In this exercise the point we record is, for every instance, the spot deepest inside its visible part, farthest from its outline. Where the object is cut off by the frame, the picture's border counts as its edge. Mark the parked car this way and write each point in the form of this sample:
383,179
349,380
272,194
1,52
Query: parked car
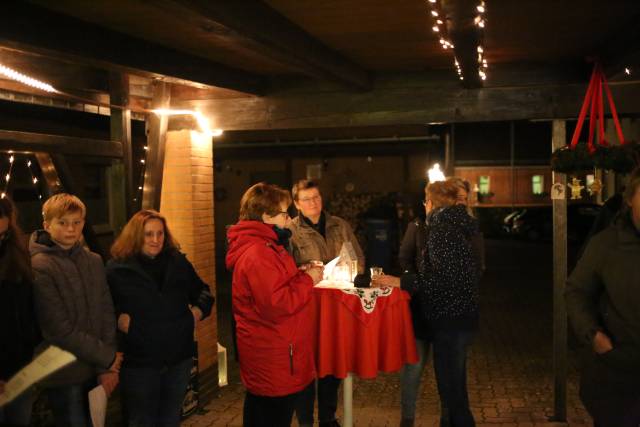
536,223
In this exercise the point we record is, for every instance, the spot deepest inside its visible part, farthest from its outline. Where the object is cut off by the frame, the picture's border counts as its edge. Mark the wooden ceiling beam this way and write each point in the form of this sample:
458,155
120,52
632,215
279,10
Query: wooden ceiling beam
403,99
31,28
68,145
258,27
61,75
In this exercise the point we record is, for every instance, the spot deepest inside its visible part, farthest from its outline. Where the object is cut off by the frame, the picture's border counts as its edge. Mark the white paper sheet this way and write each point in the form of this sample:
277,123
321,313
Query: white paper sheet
45,364
98,406
328,268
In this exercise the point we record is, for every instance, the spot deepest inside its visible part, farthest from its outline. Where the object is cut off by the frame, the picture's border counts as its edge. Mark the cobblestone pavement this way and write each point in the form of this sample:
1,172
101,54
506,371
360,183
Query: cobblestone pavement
510,363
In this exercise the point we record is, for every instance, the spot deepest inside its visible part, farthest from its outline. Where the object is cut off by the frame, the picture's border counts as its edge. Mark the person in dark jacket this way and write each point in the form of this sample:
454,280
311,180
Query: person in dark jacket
271,306
410,258
74,309
603,304
446,286
159,298
18,330
477,239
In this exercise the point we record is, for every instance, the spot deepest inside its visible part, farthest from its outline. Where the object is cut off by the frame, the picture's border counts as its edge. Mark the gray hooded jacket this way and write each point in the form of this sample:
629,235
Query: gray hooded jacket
73,306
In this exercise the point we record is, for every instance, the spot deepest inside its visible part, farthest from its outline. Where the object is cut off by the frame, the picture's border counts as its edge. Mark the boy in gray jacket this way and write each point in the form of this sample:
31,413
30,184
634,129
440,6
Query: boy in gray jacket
74,309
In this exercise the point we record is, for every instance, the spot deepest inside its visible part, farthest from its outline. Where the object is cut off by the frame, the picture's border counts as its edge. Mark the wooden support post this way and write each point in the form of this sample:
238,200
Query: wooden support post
156,142
512,159
558,140
121,131
117,197
449,139
49,173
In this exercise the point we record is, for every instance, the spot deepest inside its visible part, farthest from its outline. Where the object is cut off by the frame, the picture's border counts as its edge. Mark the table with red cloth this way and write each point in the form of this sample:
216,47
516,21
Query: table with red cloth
361,331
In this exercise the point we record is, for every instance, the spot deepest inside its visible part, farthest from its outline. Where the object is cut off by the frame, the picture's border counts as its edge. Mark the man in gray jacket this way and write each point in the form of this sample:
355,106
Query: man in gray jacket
74,309
318,236
603,303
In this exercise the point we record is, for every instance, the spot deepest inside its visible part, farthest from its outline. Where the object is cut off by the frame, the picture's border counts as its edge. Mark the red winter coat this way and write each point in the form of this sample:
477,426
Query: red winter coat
271,308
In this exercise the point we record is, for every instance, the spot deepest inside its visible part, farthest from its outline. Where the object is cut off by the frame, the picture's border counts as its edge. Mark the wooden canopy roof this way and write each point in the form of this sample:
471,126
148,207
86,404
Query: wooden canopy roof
225,49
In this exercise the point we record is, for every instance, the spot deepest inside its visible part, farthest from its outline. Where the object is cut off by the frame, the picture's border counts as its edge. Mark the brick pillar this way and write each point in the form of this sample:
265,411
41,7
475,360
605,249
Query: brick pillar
187,203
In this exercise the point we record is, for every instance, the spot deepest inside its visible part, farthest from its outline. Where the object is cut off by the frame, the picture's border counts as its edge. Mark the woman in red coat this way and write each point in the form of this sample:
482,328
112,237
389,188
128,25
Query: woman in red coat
271,308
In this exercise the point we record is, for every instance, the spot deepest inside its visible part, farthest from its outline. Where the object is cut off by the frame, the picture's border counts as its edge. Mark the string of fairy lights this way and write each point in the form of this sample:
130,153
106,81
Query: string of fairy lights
201,120
143,169
9,175
439,27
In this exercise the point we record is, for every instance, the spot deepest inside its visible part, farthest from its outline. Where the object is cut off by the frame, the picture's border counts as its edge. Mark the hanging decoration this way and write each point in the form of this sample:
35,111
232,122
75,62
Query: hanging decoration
595,187
576,188
597,152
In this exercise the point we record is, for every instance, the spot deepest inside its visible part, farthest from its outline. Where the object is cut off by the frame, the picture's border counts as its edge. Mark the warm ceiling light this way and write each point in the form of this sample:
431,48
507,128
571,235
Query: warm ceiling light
432,1
439,22
203,122
435,29
480,8
627,71
24,79
480,50
434,13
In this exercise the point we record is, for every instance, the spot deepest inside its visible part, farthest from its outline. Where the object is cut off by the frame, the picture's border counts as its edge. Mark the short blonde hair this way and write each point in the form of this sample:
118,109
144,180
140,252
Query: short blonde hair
60,204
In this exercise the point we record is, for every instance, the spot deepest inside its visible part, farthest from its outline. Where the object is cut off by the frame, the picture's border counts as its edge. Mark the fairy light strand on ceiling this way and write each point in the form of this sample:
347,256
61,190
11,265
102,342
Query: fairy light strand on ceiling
24,79
439,27
201,120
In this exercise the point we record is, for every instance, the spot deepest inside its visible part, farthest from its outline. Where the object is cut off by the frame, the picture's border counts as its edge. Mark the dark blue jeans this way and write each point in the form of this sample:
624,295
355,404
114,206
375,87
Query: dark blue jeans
450,363
70,404
153,396
327,401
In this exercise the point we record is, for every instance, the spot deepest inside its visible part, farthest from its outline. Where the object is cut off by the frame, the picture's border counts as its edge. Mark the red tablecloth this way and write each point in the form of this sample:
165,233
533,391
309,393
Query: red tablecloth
362,336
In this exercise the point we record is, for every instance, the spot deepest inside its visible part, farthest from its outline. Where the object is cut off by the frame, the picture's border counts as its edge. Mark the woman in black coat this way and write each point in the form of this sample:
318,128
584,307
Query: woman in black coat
18,331
446,286
159,298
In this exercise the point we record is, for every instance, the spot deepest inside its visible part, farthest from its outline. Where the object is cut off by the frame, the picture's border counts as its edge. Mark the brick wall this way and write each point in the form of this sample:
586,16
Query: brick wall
187,202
